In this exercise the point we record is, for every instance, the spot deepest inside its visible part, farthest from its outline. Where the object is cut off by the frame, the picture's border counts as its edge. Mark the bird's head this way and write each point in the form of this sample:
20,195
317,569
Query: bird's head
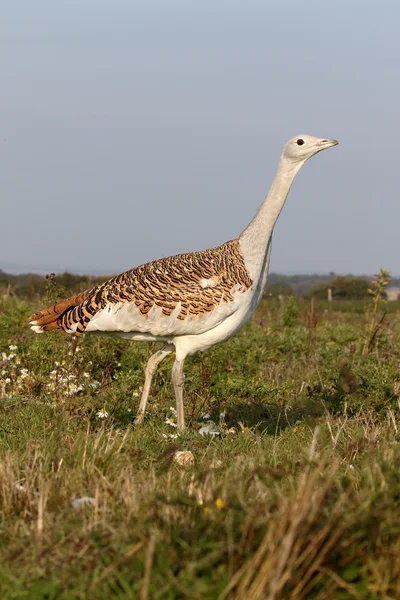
301,147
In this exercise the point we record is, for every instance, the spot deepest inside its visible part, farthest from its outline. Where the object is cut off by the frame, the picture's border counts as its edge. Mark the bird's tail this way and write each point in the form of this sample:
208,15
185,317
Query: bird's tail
52,317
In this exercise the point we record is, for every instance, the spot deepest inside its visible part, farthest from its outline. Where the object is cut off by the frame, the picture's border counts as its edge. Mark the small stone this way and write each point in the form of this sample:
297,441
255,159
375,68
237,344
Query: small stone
209,429
80,503
184,458
19,488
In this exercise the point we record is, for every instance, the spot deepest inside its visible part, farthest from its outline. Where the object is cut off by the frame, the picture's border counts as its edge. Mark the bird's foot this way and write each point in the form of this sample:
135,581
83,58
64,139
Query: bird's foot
139,419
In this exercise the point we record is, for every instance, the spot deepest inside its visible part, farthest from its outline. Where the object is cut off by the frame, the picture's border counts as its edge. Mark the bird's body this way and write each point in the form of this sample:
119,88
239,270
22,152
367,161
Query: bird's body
189,301
165,300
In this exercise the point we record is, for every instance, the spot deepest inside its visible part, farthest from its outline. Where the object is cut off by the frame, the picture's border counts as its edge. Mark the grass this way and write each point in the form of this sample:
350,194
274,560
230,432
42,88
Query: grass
296,497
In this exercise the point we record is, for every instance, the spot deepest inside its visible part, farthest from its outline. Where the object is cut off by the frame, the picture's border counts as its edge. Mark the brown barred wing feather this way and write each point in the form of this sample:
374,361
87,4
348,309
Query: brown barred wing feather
198,282
49,318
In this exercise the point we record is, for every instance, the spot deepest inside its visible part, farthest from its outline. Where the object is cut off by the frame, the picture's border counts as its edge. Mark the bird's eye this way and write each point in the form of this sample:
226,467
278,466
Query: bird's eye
300,142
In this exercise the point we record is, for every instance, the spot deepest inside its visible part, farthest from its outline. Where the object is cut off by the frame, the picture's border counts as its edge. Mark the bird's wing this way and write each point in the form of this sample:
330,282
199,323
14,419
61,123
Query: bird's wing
188,285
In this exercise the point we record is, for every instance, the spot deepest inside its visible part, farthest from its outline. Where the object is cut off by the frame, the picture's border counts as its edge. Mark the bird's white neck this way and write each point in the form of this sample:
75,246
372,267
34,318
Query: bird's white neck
255,240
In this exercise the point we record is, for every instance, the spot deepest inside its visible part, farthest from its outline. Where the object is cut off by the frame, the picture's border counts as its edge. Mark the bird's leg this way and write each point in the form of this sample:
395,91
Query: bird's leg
177,380
151,368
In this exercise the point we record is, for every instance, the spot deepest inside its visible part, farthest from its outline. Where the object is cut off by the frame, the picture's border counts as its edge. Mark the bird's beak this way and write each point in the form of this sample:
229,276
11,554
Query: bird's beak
328,143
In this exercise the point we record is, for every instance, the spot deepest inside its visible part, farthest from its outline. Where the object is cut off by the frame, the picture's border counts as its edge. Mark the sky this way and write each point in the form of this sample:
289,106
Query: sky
135,130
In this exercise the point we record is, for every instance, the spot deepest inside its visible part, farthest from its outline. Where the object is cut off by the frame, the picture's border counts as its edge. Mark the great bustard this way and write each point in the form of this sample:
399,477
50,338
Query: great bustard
189,301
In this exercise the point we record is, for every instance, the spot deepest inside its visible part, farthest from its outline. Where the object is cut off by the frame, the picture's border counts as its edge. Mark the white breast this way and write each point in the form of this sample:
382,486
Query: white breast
126,318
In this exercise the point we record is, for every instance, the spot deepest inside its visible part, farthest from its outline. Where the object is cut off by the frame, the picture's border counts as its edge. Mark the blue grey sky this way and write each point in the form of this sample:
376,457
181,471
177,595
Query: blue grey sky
130,131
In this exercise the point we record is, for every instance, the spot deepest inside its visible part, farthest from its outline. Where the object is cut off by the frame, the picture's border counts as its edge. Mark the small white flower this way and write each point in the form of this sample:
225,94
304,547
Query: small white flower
102,413
135,394
173,410
8,380
13,347
86,375
171,436
170,421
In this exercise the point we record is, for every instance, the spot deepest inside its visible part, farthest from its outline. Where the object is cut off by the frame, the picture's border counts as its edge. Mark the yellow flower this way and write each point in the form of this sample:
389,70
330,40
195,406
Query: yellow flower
219,503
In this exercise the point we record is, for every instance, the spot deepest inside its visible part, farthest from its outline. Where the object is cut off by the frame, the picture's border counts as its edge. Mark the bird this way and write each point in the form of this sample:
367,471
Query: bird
191,301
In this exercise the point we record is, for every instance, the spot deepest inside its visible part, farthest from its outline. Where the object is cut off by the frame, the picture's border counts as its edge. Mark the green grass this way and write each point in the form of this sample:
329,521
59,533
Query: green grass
297,497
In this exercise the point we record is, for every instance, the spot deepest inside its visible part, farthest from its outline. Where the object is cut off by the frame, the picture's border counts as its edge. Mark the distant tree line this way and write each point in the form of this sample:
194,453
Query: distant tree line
31,285
342,287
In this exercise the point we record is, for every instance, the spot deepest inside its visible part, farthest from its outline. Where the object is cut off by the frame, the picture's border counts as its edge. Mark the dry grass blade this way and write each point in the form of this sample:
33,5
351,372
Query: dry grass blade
148,565
43,494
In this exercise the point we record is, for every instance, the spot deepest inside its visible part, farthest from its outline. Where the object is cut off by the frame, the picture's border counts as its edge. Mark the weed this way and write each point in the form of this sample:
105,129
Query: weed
378,293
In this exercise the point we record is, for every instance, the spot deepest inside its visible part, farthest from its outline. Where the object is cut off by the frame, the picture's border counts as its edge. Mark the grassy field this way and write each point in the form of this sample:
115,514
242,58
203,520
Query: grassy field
288,487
